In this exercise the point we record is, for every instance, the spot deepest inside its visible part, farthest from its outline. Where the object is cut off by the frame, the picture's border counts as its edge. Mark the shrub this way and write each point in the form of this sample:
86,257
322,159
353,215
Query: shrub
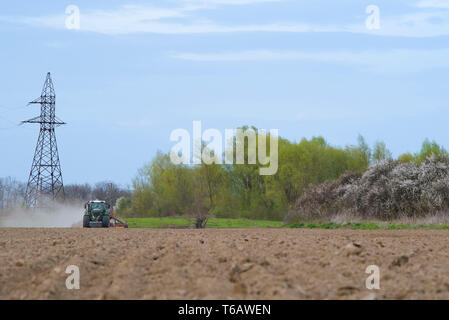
388,189
324,199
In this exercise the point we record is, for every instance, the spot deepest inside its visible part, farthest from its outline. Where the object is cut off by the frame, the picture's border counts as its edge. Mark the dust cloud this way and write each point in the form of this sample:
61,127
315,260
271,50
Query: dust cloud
56,216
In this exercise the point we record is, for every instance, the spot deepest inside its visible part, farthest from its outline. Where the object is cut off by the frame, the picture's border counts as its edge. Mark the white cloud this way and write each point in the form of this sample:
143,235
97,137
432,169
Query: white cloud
228,2
147,19
416,25
125,19
400,60
131,19
440,4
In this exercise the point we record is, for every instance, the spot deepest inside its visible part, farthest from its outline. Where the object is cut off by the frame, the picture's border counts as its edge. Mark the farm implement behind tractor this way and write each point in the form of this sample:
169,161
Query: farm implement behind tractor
100,214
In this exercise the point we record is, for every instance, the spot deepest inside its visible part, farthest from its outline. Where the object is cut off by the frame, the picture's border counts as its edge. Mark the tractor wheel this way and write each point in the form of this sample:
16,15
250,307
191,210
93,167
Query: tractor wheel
106,221
86,220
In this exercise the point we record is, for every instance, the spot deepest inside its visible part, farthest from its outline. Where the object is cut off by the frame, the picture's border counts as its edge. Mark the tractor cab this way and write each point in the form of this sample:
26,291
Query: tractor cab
97,208
96,214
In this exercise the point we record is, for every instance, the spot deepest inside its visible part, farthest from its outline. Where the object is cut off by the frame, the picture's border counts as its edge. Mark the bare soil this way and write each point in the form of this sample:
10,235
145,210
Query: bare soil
223,264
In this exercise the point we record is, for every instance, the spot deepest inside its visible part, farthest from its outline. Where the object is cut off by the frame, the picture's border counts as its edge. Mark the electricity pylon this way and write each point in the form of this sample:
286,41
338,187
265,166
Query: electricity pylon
45,179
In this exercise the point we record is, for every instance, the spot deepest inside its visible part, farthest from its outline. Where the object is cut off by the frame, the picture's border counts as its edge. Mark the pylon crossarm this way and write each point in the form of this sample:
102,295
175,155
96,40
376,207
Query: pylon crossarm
33,120
44,122
36,101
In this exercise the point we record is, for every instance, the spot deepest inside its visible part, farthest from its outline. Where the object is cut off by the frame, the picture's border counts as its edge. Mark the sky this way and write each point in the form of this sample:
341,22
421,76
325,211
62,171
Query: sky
135,71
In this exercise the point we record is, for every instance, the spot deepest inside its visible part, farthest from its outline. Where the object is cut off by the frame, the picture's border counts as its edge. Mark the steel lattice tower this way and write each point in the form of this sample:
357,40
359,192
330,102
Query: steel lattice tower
46,176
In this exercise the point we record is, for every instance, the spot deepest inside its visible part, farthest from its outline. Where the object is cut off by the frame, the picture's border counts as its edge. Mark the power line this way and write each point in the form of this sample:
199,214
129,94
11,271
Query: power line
14,124
11,109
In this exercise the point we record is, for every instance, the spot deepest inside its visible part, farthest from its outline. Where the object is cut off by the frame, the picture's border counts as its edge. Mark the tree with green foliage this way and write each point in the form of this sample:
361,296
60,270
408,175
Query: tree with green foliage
163,189
381,152
238,190
428,149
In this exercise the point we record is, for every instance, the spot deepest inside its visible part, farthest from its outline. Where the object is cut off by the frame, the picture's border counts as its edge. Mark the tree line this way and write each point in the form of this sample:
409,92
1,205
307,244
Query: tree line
12,193
164,189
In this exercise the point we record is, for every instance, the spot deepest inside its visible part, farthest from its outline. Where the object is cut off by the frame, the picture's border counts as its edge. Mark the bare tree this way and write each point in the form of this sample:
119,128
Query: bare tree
109,192
12,193
200,211
78,192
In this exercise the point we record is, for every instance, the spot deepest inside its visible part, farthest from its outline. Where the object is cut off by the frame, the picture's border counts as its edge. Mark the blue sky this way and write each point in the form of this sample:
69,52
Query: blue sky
136,70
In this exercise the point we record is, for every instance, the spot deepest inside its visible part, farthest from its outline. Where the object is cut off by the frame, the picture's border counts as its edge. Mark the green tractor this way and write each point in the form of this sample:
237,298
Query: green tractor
96,214
100,214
